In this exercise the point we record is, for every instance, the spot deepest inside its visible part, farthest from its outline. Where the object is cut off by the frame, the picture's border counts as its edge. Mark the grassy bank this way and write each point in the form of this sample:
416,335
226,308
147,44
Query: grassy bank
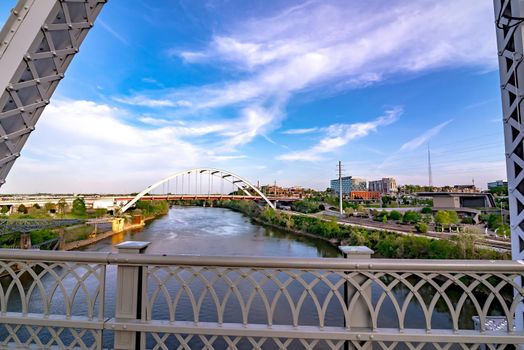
385,244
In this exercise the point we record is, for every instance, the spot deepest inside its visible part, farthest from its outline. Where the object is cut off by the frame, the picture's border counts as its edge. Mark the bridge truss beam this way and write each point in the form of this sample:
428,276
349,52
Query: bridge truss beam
510,40
37,44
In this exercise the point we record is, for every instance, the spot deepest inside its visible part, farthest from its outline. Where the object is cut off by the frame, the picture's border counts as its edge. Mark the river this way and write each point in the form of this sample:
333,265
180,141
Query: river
216,231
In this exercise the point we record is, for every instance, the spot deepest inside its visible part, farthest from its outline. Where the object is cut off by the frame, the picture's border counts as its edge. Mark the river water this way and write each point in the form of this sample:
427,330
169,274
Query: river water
216,231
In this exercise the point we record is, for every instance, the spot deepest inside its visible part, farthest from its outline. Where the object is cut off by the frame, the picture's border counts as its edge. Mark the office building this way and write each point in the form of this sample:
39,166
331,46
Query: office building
349,184
387,185
498,183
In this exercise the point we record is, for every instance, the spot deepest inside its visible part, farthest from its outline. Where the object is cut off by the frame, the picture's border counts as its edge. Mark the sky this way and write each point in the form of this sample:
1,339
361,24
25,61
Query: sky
273,91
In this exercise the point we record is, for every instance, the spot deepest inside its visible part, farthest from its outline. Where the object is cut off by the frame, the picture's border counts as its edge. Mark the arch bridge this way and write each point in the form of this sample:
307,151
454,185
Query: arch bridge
200,183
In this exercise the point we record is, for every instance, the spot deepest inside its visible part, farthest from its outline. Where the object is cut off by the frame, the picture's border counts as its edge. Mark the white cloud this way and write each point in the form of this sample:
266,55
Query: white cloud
333,46
84,146
300,131
423,138
338,135
150,102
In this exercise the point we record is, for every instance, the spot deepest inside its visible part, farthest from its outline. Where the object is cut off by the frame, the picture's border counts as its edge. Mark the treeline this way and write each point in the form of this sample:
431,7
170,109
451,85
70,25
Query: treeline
151,208
385,244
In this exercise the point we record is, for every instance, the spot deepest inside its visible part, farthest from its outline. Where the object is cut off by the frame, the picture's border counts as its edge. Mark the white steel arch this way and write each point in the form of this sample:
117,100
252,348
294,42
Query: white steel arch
225,175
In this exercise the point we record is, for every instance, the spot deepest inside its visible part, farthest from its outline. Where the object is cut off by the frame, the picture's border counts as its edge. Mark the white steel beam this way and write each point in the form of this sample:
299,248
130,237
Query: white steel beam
508,20
37,44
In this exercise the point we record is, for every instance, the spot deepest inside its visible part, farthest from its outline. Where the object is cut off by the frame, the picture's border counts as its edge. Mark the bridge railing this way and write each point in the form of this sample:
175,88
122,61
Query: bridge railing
128,300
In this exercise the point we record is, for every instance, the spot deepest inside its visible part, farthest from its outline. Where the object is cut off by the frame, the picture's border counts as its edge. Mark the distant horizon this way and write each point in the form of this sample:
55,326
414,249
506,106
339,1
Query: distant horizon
273,91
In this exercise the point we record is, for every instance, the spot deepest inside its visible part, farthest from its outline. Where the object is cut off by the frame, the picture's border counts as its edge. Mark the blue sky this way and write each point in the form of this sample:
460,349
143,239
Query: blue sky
273,91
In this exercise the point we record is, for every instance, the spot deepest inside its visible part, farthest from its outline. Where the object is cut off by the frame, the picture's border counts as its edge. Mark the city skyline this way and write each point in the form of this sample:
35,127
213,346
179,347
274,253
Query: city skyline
273,92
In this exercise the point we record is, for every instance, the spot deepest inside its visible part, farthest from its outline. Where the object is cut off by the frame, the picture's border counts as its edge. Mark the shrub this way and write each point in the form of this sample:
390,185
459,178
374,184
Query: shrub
467,220
421,227
395,215
411,217
426,210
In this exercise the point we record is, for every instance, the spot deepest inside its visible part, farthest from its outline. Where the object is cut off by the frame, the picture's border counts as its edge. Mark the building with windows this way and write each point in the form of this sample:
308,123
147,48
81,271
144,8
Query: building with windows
349,184
498,183
364,195
387,185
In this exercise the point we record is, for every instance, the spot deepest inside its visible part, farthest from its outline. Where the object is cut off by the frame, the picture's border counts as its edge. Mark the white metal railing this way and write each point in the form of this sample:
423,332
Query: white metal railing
128,300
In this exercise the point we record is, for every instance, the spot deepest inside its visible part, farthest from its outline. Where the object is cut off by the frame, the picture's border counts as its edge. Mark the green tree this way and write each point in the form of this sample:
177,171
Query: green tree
442,219
395,215
5,209
385,219
453,217
421,227
22,209
79,207
411,217
426,210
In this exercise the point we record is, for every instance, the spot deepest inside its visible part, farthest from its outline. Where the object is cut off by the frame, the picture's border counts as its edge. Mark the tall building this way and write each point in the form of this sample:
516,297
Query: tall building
349,184
387,185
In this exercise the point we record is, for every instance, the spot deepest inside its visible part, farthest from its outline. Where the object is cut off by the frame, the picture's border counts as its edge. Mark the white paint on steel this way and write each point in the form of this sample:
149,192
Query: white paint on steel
510,40
37,44
223,174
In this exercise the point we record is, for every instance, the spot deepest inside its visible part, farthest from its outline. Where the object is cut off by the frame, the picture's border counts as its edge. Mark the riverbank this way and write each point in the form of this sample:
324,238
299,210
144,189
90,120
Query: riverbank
99,237
385,243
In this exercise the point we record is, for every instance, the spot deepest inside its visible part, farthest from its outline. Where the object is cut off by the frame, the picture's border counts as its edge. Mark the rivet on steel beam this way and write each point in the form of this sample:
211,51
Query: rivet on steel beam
28,57
32,128
10,87
61,75
37,81
359,336
76,49
15,12
499,53
45,27
70,26
21,109
5,138
16,155
53,53
46,102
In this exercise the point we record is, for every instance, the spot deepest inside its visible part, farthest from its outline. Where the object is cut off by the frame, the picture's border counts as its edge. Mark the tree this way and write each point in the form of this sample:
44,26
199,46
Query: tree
453,217
421,227
62,206
395,215
79,207
442,219
5,209
22,209
411,217
36,206
426,210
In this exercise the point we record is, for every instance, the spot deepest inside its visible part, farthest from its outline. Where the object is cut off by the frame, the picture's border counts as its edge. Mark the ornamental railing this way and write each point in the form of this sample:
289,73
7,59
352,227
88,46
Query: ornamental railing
129,300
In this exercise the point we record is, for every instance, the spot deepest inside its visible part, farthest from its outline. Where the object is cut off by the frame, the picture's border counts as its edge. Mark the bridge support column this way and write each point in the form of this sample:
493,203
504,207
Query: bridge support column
25,241
360,316
130,286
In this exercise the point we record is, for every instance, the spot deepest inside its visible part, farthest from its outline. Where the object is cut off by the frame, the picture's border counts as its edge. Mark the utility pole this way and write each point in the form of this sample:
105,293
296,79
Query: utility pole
340,187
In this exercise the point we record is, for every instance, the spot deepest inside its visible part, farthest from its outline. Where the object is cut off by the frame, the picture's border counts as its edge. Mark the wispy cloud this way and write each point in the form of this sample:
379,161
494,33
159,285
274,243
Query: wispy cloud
300,131
424,138
338,135
352,45
150,102
113,32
